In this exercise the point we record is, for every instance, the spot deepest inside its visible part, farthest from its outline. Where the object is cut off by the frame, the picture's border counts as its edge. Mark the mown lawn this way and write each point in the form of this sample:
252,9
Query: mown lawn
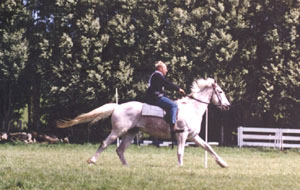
64,166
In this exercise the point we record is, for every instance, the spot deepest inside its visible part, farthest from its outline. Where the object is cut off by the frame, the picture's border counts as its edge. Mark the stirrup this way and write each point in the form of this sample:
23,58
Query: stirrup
173,130
178,131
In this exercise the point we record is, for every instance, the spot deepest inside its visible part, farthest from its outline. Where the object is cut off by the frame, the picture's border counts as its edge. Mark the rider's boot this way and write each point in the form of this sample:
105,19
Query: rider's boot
173,130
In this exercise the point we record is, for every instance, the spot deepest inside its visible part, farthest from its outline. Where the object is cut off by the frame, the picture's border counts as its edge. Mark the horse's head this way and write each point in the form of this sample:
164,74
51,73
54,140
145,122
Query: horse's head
218,97
207,90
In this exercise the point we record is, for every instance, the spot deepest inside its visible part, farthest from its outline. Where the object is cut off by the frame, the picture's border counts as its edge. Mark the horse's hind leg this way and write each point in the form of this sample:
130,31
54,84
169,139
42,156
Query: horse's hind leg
110,139
208,148
126,141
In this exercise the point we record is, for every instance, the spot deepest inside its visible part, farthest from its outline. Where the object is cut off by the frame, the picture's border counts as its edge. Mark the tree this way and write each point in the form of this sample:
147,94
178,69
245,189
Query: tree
75,53
13,58
280,63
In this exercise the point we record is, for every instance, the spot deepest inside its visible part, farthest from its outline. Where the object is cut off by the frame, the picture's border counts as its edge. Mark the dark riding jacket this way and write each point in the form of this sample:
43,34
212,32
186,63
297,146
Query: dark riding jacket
157,84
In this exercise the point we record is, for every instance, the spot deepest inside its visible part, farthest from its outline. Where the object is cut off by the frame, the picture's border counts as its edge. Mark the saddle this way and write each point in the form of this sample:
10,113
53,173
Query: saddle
151,110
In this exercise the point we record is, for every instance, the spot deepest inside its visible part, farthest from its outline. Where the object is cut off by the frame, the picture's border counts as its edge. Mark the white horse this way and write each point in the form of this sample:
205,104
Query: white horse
127,120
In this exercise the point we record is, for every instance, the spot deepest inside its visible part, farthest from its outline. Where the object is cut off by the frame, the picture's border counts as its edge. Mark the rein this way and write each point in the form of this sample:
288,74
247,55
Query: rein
192,97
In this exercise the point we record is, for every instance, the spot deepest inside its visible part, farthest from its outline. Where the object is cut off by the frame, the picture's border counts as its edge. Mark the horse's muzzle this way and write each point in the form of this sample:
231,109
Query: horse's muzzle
225,107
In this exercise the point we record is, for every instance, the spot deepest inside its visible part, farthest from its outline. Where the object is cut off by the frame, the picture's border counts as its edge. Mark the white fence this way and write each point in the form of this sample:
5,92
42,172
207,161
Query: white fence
269,137
167,143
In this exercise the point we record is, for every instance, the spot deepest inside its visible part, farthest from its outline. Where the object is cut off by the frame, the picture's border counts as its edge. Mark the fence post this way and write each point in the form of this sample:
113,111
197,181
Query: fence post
240,136
117,101
280,139
222,135
206,137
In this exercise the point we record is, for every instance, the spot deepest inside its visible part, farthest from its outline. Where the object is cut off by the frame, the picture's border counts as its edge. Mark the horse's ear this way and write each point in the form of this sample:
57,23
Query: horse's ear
215,82
210,82
216,79
214,85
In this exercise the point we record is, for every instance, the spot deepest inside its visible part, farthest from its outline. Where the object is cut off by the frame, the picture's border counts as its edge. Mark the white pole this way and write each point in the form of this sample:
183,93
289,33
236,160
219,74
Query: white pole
117,101
206,137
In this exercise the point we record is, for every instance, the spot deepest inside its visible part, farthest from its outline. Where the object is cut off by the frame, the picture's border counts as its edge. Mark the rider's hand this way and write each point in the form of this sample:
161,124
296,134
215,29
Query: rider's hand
181,91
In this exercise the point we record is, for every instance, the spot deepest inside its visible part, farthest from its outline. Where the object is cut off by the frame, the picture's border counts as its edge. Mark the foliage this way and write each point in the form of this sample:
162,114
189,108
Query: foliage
274,23
13,58
75,53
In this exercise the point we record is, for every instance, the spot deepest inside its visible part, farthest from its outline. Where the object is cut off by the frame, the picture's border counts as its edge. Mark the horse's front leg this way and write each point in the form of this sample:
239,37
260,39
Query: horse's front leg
208,148
181,139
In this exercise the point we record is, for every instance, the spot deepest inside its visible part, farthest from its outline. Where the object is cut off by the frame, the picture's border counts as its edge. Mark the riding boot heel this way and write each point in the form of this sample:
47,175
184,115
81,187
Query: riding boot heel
175,129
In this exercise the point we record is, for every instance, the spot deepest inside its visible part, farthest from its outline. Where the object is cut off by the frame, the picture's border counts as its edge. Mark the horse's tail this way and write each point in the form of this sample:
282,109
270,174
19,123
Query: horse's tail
92,116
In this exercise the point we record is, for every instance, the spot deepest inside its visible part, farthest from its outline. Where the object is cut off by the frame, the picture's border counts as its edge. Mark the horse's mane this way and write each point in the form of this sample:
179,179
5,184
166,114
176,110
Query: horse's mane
200,84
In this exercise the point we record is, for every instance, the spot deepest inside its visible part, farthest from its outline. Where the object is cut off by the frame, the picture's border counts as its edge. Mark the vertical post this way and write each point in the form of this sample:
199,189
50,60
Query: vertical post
88,134
206,137
280,139
222,135
240,136
117,101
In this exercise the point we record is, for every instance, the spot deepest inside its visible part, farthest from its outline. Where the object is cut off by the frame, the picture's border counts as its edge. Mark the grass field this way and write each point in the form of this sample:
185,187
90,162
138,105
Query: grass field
64,167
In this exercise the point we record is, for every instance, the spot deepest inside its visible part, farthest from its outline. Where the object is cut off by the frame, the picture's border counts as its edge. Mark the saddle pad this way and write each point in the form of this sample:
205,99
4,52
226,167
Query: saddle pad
150,110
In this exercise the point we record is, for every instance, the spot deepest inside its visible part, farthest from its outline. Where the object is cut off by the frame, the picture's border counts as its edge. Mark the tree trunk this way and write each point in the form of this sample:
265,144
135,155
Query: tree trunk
36,110
7,104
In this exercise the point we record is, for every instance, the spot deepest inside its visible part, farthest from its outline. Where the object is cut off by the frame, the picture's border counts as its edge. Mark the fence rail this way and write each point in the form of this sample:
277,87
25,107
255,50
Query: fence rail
269,137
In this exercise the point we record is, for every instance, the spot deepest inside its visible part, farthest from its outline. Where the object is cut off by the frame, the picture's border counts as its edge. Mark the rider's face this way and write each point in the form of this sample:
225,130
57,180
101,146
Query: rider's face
164,70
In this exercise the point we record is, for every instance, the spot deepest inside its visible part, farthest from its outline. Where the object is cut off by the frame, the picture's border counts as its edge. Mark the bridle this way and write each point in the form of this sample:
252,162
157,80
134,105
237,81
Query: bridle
214,92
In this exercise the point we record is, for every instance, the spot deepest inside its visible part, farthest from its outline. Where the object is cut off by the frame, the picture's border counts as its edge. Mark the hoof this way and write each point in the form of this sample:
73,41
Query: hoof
91,161
222,163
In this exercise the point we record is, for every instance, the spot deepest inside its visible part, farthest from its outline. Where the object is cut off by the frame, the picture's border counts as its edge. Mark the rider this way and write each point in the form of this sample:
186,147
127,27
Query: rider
155,92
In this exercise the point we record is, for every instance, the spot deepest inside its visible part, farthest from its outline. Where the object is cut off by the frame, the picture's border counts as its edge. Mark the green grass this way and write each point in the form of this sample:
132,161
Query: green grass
64,167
